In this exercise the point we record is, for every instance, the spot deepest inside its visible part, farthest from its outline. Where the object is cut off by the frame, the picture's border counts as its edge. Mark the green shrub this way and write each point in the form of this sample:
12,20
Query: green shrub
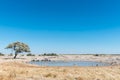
29,54
1,54
22,55
49,54
96,54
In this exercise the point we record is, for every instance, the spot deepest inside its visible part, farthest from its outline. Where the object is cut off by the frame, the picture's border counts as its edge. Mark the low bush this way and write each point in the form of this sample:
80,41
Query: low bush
22,55
49,54
1,54
39,55
29,54
50,75
96,54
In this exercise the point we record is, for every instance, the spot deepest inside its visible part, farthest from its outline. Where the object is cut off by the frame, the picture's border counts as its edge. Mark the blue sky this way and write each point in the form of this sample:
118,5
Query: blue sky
61,26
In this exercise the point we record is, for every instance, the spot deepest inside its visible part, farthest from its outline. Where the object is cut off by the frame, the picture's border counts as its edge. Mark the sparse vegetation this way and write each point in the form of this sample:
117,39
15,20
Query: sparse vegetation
22,55
100,54
51,75
29,54
1,54
96,54
49,54
39,55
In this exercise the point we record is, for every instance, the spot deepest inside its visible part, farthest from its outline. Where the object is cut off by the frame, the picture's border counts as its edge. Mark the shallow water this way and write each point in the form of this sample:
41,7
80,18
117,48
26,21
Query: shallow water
69,63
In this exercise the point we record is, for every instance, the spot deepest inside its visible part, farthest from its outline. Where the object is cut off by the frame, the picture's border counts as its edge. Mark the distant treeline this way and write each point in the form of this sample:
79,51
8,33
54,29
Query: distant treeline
94,54
55,54
45,54
30,54
49,54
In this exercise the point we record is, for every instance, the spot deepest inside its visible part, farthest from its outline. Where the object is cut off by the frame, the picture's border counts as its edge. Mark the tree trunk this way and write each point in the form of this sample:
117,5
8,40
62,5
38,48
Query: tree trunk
15,55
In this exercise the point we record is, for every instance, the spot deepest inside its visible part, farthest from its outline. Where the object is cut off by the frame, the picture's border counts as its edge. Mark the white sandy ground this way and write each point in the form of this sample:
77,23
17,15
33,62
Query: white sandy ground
112,59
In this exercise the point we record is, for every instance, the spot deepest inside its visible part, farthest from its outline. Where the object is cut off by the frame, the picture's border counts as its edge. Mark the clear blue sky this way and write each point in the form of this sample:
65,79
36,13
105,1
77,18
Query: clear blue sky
61,26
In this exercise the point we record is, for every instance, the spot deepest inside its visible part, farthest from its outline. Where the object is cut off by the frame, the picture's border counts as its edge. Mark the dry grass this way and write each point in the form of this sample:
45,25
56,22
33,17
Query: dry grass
20,71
